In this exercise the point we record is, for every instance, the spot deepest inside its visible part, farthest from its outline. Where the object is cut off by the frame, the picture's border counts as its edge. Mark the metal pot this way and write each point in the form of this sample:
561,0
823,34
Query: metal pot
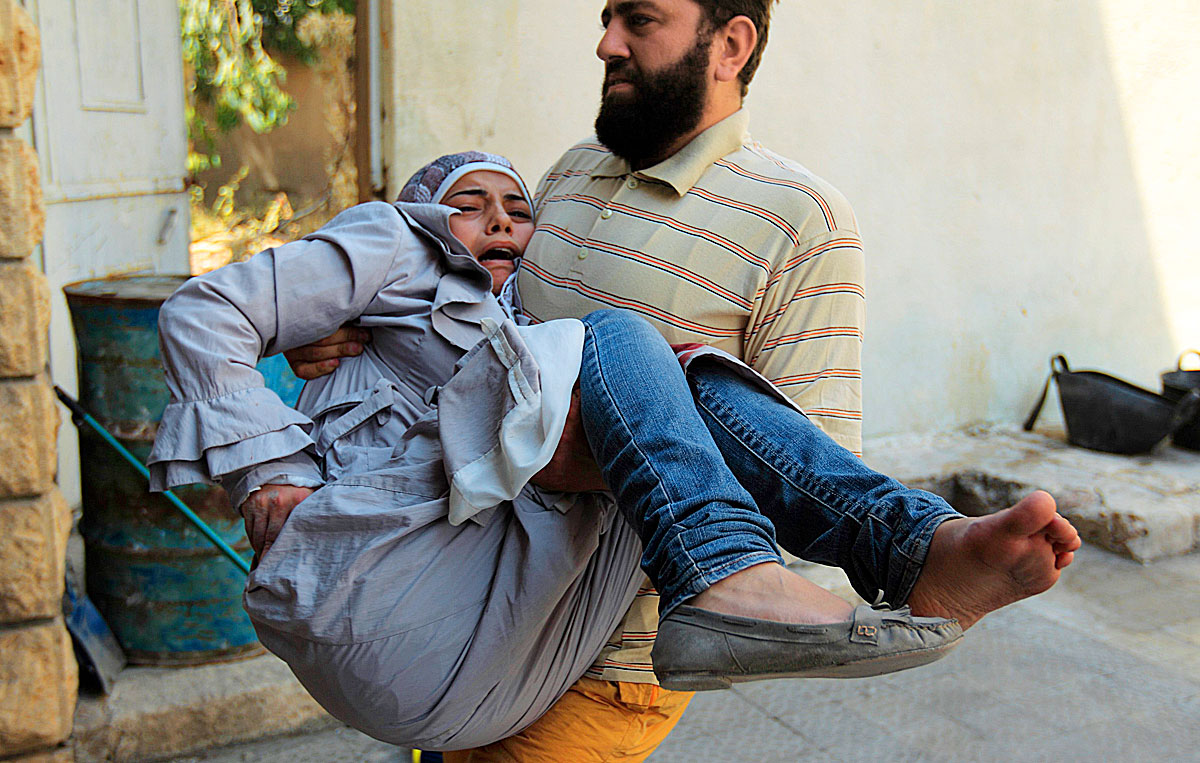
1176,385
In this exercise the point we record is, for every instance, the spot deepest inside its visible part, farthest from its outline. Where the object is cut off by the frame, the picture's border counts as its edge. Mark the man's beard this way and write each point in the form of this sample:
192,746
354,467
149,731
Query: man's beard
663,106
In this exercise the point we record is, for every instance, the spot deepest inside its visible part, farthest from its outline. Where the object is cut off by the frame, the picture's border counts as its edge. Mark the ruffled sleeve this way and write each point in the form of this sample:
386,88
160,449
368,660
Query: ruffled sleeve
222,423
203,440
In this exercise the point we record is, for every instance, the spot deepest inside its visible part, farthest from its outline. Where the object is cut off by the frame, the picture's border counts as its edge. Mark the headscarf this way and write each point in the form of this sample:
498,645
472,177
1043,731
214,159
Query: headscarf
430,183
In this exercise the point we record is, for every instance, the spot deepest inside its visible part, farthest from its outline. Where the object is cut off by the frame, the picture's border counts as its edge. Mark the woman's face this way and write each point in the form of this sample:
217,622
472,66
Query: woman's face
496,221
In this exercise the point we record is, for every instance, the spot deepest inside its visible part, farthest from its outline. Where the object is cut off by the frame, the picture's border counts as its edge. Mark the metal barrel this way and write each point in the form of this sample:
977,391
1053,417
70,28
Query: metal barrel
169,595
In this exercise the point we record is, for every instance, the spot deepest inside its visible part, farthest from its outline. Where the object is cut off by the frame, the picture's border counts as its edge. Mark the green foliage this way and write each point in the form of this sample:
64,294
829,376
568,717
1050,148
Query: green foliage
231,72
232,77
224,205
280,19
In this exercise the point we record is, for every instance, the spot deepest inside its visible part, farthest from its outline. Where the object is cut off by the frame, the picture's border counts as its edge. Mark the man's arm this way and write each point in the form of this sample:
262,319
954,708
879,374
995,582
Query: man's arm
806,333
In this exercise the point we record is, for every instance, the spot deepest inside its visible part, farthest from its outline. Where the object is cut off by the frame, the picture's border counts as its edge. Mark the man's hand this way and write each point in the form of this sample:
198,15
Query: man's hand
320,358
573,469
266,510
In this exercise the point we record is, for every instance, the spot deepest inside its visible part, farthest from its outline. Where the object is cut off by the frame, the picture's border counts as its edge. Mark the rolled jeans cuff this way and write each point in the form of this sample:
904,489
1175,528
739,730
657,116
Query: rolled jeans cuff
702,582
915,549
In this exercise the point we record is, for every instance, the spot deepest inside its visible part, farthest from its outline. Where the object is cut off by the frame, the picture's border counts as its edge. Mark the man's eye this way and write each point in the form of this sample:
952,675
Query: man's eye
464,208
637,21
520,214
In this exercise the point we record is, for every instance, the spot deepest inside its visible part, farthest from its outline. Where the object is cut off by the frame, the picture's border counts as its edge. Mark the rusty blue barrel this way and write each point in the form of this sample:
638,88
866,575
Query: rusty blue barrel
170,597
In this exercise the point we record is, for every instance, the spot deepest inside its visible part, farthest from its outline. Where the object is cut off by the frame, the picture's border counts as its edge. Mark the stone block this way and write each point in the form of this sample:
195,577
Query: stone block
161,714
22,213
24,321
1146,507
20,48
28,430
60,755
38,683
33,547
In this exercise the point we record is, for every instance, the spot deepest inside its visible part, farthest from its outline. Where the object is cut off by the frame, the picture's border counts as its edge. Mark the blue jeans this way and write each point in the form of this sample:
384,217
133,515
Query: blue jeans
709,467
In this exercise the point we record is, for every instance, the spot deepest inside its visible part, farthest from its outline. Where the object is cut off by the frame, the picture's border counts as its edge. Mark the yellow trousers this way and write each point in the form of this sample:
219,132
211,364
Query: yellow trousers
594,722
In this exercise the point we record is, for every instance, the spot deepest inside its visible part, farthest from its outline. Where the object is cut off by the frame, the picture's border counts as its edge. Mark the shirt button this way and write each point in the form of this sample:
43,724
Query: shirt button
607,213
583,254
633,183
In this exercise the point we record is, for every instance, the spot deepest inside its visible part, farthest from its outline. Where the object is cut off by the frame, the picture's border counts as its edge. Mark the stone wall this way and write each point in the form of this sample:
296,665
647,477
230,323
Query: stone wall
38,673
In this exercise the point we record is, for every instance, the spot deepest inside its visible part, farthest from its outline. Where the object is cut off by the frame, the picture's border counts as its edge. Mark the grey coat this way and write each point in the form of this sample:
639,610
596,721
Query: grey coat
414,628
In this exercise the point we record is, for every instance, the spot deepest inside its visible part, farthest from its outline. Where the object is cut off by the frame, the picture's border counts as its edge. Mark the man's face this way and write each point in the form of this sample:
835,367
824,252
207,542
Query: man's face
656,76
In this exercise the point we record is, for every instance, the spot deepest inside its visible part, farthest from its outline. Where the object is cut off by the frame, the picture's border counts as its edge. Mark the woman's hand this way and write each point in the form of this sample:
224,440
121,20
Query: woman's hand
265,512
573,468
321,357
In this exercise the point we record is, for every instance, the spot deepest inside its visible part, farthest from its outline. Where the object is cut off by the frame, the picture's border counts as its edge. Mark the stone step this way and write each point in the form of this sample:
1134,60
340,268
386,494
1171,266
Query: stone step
1143,507
334,745
158,714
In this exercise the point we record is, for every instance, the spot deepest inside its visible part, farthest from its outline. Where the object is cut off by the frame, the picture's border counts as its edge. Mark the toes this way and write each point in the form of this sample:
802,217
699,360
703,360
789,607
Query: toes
1066,547
1034,513
1063,559
1062,534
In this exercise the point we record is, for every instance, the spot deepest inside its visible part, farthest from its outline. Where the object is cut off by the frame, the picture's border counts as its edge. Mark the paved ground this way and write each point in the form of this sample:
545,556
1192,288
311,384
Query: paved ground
1104,667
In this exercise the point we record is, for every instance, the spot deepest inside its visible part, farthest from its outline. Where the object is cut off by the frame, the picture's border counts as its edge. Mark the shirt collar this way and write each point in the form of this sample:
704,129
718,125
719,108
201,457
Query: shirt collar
434,220
683,169
464,291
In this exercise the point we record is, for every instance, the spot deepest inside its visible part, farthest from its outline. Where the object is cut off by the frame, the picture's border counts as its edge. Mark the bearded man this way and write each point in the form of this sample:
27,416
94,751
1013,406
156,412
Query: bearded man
673,212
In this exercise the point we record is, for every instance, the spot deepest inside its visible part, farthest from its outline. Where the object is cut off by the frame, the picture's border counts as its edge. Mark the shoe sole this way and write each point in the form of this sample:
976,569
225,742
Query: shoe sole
876,666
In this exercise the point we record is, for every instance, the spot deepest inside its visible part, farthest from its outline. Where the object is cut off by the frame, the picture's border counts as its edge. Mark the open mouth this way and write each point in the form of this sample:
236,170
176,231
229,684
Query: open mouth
498,253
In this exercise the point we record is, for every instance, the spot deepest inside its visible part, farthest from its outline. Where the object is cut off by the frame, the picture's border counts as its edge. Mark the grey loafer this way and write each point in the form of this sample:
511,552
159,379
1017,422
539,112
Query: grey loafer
697,650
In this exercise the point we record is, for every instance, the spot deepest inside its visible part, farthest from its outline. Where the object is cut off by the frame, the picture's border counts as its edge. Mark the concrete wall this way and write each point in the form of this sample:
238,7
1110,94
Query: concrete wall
1022,171
38,674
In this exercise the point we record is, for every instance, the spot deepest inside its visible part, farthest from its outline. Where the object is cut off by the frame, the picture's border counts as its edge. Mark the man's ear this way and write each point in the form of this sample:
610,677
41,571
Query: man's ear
732,46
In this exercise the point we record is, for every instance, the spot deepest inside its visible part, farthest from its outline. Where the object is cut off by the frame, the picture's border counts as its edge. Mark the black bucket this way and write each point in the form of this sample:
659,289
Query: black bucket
1109,414
1176,385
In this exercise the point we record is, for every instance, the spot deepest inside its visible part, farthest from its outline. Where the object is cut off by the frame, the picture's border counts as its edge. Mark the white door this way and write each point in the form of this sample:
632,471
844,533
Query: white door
109,129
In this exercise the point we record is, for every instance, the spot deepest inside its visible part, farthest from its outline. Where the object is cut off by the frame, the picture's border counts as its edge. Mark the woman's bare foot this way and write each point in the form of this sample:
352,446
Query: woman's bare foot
978,565
772,592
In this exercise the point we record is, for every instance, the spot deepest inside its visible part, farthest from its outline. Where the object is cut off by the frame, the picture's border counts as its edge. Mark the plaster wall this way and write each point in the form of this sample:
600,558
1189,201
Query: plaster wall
291,158
1022,172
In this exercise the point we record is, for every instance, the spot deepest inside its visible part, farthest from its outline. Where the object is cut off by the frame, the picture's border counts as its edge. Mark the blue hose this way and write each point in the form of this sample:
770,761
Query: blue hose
79,416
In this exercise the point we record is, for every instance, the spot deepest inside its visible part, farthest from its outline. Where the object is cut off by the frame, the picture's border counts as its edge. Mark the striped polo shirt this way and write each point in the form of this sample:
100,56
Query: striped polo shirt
724,243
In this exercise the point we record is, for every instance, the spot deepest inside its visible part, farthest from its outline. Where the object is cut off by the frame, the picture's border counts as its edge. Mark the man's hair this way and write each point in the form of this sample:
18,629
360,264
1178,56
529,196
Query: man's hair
718,13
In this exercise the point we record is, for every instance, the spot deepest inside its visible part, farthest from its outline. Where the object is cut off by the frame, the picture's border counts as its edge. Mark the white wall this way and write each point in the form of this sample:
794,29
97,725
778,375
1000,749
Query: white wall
516,77
1022,171
1156,67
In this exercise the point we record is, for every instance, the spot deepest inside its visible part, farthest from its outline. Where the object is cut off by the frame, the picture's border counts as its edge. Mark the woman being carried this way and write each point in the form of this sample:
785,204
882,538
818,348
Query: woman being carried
427,594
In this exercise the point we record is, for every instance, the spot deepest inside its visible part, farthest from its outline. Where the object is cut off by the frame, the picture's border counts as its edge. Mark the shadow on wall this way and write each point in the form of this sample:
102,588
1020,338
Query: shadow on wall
292,158
984,149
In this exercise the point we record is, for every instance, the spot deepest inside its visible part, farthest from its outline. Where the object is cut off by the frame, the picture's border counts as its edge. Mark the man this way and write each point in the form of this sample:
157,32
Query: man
674,213
713,241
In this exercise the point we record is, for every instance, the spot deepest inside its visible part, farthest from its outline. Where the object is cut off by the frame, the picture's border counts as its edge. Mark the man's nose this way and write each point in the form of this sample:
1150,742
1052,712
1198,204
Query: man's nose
612,44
